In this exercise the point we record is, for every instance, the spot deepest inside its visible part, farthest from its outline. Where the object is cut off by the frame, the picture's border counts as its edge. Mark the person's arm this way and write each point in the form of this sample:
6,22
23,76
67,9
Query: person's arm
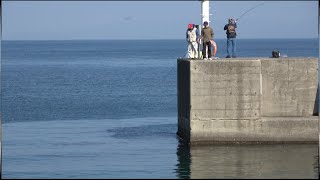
187,35
197,33
225,27
212,33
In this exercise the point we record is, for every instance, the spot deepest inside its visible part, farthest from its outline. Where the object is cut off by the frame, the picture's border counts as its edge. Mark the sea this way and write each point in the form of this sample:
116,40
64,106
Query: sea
108,109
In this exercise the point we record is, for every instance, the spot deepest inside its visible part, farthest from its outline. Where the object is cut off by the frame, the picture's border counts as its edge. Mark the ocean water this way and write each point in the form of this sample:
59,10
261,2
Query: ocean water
108,109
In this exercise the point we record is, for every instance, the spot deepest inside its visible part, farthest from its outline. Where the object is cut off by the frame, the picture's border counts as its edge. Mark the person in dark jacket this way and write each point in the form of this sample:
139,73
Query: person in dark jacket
207,36
231,37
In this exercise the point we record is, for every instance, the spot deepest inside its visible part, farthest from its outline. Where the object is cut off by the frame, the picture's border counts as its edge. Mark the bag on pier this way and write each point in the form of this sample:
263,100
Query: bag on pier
275,54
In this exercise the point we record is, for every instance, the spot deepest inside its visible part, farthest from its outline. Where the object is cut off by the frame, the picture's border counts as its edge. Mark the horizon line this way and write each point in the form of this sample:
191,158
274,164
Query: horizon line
141,39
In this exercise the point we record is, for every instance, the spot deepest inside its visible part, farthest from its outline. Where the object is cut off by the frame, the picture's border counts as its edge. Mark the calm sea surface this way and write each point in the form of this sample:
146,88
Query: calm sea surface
108,109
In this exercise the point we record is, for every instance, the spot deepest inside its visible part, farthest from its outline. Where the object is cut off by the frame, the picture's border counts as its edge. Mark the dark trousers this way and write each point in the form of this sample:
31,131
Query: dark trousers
205,44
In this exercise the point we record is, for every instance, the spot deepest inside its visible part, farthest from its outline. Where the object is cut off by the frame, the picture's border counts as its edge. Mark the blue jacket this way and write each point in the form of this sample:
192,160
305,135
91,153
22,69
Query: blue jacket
197,32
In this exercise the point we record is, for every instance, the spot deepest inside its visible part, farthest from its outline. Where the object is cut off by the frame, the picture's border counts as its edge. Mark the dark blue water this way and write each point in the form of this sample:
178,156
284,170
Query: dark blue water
104,109
66,80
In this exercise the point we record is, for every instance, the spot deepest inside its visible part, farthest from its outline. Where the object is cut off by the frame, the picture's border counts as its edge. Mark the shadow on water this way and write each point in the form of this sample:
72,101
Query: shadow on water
162,130
247,161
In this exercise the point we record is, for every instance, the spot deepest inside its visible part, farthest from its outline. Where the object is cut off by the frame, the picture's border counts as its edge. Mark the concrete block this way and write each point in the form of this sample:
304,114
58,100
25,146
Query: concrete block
206,114
268,130
244,100
274,67
208,102
196,76
208,91
240,114
222,67
212,85
252,91
243,105
227,114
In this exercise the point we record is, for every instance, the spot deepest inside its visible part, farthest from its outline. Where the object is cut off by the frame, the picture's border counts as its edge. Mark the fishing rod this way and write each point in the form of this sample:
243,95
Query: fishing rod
250,10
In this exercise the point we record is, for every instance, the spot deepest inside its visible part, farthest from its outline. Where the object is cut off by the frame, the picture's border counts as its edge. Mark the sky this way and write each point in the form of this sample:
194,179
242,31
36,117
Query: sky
73,20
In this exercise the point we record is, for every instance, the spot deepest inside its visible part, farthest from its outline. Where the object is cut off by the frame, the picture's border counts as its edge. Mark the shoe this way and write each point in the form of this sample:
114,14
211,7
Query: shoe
205,59
228,57
234,56
210,58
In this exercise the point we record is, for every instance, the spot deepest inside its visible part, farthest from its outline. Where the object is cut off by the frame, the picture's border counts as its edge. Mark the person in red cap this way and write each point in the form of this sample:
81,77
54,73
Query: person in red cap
192,36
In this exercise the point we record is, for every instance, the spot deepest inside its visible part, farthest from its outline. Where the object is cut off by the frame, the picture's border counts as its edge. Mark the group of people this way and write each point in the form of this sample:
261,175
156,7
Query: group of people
193,38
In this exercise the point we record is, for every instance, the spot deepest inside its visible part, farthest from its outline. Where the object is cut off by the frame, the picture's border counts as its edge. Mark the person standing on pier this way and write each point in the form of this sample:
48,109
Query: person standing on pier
192,35
207,36
231,37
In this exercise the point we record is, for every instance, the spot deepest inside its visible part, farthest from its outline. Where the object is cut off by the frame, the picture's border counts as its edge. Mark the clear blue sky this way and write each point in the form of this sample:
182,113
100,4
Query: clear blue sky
67,20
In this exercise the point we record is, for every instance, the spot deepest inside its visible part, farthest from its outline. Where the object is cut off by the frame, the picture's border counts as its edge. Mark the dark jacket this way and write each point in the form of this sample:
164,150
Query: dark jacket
207,34
231,30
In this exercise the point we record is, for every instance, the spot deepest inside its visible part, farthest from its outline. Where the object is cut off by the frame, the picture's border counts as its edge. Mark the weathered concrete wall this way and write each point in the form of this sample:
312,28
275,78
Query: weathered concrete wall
225,89
265,129
289,87
247,100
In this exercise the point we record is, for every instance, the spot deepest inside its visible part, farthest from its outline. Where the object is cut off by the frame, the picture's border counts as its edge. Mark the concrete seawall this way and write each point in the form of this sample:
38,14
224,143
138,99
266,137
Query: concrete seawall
248,100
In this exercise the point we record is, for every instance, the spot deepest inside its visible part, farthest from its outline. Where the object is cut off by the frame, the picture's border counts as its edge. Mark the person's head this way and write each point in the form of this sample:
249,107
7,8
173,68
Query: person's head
205,24
231,20
190,26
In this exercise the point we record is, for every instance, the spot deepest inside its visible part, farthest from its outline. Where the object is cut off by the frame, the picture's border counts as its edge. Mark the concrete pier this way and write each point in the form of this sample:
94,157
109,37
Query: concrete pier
248,100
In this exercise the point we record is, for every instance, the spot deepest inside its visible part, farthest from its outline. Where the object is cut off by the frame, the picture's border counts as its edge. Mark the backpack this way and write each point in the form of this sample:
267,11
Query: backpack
231,28
275,54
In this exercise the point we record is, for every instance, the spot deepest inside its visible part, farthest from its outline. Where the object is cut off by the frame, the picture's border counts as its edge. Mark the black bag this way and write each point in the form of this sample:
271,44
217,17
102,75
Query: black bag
275,54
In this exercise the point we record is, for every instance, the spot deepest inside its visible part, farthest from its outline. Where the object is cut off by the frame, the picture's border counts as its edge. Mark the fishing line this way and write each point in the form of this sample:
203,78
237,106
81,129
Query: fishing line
250,10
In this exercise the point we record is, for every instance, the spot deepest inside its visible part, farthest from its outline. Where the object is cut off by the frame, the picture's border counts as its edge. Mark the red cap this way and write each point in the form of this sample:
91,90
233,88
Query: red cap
190,26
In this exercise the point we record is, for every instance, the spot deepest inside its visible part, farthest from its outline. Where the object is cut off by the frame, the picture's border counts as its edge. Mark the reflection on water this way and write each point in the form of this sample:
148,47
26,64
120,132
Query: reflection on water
140,148
247,161
184,161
